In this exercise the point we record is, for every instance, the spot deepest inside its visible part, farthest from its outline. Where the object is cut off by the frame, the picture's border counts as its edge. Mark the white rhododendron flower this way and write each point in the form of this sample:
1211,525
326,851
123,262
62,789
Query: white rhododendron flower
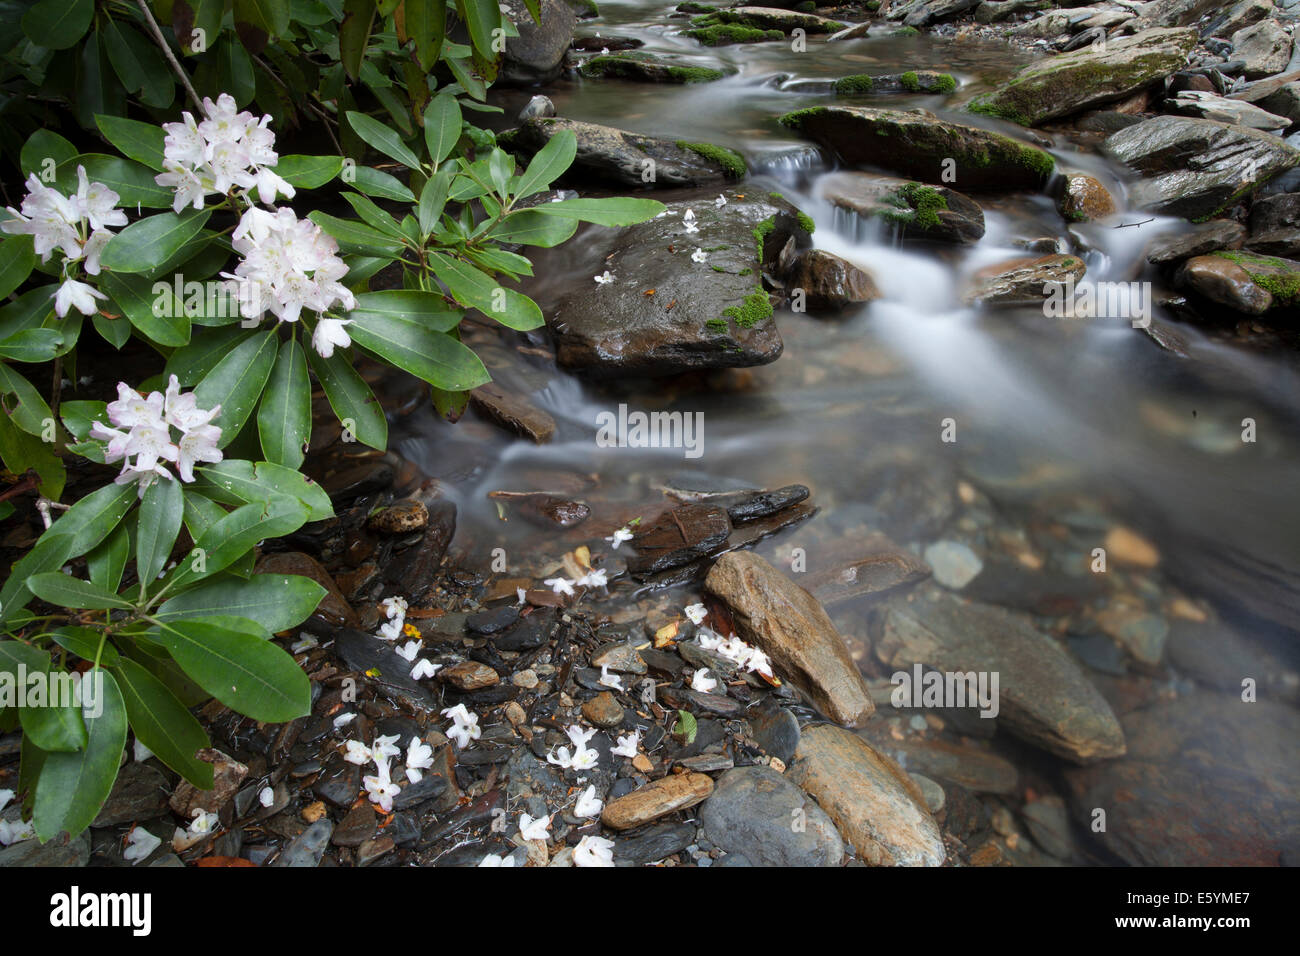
588,804
424,668
16,832
380,787
395,609
593,579
560,585
358,753
464,727
409,650
735,650
627,744
618,537
140,843
228,150
604,278
290,265
702,682
608,679
266,797
76,225
419,756
699,255
594,851
493,859
531,829
696,613
148,424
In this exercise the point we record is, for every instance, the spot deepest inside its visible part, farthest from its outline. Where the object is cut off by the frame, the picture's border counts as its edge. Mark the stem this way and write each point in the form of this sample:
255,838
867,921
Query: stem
167,52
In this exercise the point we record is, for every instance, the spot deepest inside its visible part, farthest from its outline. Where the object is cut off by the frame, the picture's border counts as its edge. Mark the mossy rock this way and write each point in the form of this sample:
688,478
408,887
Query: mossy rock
913,81
770,18
1279,277
732,163
915,210
647,68
1065,84
923,147
723,34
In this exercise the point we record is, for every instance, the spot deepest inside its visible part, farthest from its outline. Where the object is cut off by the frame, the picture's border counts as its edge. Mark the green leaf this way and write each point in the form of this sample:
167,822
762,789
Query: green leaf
86,643
382,138
50,552
236,382
17,260
686,727
413,305
151,307
436,357
142,142
442,126
530,228
231,537
53,728
373,216
351,398
481,17
471,287
163,724
284,417
236,480
31,413
125,63
58,24
433,198
354,34
73,786
189,16
63,590
230,658
234,68
275,601
308,172
93,518
158,524
150,242
356,237
107,560
133,182
21,451
426,24
615,211
45,150
257,21
381,185
191,363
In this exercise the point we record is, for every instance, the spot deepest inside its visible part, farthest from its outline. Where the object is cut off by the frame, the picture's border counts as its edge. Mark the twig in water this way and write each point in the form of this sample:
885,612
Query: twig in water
1125,225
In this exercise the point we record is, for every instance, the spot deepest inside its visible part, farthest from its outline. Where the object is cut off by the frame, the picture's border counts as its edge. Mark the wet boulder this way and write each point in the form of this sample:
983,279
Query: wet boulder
1225,110
1027,280
1194,167
1275,226
1088,77
1084,199
774,18
1244,282
622,157
1197,240
536,55
921,13
683,293
917,211
830,283
649,68
921,146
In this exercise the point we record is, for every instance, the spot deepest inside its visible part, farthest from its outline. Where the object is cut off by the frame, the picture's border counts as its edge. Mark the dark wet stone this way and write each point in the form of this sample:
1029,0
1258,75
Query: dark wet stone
404,829
751,811
493,620
30,853
1046,591
906,206
306,849
429,786
693,700
415,569
513,412
1197,240
354,480
548,511
661,661
872,565
363,653
339,783
478,812
139,793
620,656
654,843
358,826
227,775
683,535
706,763
526,774
531,631
776,730
760,504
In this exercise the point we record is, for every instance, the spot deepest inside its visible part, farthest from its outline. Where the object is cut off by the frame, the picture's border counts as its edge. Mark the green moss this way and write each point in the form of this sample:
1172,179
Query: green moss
850,85
806,7
745,272
907,32
716,325
644,68
805,221
732,163
795,120
761,232
915,205
694,74
1283,284
911,82
724,33
756,307
872,5
945,83
695,8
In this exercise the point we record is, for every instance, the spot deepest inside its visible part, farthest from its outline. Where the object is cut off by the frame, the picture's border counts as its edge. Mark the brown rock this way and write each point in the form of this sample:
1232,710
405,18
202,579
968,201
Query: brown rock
603,710
401,517
470,675
333,608
874,803
681,536
1197,240
1085,199
1225,282
830,283
1126,546
654,800
513,413
874,564
788,624
227,775
1026,280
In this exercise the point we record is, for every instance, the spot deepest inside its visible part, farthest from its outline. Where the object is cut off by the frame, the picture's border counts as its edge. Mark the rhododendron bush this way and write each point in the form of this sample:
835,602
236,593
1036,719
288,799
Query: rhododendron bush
145,587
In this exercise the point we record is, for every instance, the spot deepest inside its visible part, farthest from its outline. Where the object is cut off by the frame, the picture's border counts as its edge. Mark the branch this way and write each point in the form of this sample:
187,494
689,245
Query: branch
167,52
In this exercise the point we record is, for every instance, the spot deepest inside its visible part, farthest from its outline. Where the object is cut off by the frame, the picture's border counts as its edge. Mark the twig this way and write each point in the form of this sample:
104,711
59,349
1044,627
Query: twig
167,52
1125,225
27,484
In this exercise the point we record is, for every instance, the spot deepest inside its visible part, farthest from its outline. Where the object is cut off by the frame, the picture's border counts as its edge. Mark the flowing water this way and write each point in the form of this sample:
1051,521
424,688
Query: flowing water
1084,422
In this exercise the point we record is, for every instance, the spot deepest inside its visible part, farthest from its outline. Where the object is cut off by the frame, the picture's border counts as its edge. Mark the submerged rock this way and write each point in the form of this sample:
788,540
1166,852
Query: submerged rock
830,283
936,213
1196,168
649,68
919,145
876,806
1071,82
1043,696
751,811
664,312
536,55
788,624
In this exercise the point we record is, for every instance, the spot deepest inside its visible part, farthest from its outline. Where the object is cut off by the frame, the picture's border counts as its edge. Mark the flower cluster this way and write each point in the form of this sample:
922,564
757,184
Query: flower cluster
148,424
464,726
380,787
395,609
423,667
288,265
226,150
583,757
735,650
76,225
